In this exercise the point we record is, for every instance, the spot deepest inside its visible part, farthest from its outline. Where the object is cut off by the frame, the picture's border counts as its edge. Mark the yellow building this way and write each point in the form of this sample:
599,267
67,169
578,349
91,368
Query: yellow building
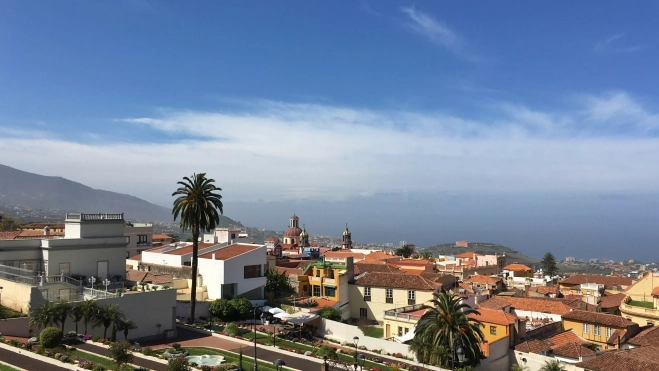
322,279
642,302
606,330
497,324
578,284
398,322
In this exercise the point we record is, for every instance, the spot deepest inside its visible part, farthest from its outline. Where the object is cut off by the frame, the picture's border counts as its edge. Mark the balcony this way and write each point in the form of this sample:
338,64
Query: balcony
390,300
639,311
404,314
329,281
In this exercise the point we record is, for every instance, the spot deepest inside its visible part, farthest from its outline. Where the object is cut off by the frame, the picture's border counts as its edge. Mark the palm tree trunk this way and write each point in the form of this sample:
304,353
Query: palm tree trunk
105,332
85,327
193,291
76,327
63,326
125,335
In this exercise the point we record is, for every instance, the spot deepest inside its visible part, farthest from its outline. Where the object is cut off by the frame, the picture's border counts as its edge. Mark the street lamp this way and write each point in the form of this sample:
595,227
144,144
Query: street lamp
361,359
256,367
92,281
461,356
106,282
279,364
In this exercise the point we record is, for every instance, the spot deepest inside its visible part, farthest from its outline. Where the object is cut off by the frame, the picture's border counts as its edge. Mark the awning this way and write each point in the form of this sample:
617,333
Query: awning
276,310
282,315
326,285
406,337
265,308
300,318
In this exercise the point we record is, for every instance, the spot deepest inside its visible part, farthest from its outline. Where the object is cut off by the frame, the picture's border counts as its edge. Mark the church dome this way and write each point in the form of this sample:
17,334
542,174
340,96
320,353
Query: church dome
346,232
293,232
303,233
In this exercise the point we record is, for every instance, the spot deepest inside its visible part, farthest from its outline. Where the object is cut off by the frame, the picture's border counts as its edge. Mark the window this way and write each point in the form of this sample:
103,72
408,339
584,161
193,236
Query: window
233,236
389,294
584,328
400,331
597,330
407,330
411,297
305,288
609,332
252,271
363,313
142,240
330,291
493,330
367,294
317,272
316,290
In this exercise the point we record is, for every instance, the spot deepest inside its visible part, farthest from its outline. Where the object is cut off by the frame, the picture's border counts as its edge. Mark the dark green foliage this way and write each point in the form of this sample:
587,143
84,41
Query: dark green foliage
548,265
244,308
278,284
331,314
223,309
50,337
231,329
9,224
44,315
197,206
405,251
120,352
178,364
327,351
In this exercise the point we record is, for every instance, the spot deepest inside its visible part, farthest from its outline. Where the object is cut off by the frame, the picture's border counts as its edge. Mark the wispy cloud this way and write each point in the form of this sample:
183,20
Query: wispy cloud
277,150
612,44
437,32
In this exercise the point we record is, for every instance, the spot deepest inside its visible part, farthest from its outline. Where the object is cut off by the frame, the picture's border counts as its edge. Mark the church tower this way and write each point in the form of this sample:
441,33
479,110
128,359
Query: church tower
304,238
347,239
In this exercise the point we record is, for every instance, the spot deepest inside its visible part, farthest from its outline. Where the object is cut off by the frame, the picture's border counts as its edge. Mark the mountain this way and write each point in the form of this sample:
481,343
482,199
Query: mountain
485,248
20,189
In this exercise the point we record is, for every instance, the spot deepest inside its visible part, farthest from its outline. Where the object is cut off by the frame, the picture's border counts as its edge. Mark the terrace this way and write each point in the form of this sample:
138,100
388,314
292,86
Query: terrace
410,313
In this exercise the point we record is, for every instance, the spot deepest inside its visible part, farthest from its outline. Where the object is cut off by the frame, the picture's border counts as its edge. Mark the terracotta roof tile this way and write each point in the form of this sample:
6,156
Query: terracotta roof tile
498,317
369,267
655,291
289,271
230,251
618,336
598,318
517,267
534,346
563,338
137,257
543,345
544,290
494,303
188,249
643,358
483,279
9,235
543,305
647,337
609,281
574,350
612,301
397,280
468,255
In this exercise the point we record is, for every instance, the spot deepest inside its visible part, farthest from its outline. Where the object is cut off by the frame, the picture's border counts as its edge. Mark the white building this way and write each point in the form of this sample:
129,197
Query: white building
227,236
140,238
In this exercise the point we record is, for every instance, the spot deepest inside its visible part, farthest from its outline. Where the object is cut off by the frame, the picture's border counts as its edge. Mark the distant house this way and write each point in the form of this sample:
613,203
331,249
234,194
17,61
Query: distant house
573,284
606,330
517,270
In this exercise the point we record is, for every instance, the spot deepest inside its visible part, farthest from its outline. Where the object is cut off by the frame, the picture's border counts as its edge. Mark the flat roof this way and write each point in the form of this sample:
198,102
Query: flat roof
230,251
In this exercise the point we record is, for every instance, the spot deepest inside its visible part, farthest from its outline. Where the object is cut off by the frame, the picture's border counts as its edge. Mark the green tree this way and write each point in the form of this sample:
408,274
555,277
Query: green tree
120,352
446,324
518,367
278,284
548,265
77,313
405,251
175,237
107,315
63,309
89,309
223,309
197,206
330,313
552,365
244,308
426,255
50,337
44,315
8,223
125,326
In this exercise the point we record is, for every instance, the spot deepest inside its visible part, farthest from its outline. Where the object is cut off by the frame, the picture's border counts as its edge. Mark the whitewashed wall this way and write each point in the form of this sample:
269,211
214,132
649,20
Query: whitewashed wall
344,332
534,361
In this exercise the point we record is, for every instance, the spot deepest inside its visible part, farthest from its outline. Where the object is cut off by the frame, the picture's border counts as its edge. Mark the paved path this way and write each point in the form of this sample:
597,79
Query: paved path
138,361
190,338
28,363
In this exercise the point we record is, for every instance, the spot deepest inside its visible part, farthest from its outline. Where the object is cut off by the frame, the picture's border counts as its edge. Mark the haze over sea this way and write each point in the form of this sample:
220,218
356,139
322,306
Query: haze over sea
533,125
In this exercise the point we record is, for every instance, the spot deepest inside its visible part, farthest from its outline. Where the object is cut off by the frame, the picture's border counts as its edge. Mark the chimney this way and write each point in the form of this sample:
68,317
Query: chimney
350,269
46,231
213,256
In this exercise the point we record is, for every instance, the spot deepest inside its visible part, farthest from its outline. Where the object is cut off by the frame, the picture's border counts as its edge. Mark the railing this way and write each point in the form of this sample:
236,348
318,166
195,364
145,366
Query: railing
81,216
639,311
399,313
63,279
99,294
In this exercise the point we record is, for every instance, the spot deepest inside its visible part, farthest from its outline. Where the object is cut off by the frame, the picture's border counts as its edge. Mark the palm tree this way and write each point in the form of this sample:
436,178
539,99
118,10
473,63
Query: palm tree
552,365
63,309
197,207
77,313
44,315
89,309
518,367
126,325
107,315
446,323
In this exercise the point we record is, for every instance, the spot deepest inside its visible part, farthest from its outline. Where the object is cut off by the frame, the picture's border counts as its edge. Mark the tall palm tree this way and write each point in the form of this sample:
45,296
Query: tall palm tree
552,365
126,325
197,206
63,309
446,324
106,315
77,313
89,309
518,367
44,315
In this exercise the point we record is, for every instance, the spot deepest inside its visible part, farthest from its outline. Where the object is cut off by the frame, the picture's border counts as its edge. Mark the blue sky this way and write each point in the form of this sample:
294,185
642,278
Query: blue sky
332,101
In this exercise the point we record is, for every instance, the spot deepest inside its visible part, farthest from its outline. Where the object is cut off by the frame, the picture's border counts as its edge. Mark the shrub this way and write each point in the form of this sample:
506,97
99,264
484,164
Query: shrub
39,351
120,352
332,314
64,358
50,337
96,338
148,351
178,364
72,334
243,307
222,309
177,347
14,343
99,368
124,367
85,364
231,329
87,337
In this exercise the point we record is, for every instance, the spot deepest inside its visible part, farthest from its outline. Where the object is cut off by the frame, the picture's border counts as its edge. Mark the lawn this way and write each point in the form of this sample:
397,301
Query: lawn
644,304
374,332
94,358
10,313
248,363
6,368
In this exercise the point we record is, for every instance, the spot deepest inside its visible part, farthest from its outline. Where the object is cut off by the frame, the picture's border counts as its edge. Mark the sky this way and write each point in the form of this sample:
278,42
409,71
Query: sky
531,124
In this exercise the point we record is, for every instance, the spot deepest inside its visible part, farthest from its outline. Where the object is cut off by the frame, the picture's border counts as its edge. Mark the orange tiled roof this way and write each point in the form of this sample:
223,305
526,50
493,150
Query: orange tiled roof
543,345
517,267
188,249
9,235
468,255
370,267
494,303
647,337
598,318
543,305
289,271
643,358
534,346
610,281
483,279
137,257
655,291
230,251
574,350
160,236
497,317
397,280
612,300
544,290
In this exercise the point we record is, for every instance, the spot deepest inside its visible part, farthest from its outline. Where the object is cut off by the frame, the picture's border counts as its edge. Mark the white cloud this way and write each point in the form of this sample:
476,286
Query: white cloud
437,32
274,151
612,45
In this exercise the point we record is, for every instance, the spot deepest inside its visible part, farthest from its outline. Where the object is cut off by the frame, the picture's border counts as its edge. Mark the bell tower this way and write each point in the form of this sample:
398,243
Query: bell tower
347,239
304,238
